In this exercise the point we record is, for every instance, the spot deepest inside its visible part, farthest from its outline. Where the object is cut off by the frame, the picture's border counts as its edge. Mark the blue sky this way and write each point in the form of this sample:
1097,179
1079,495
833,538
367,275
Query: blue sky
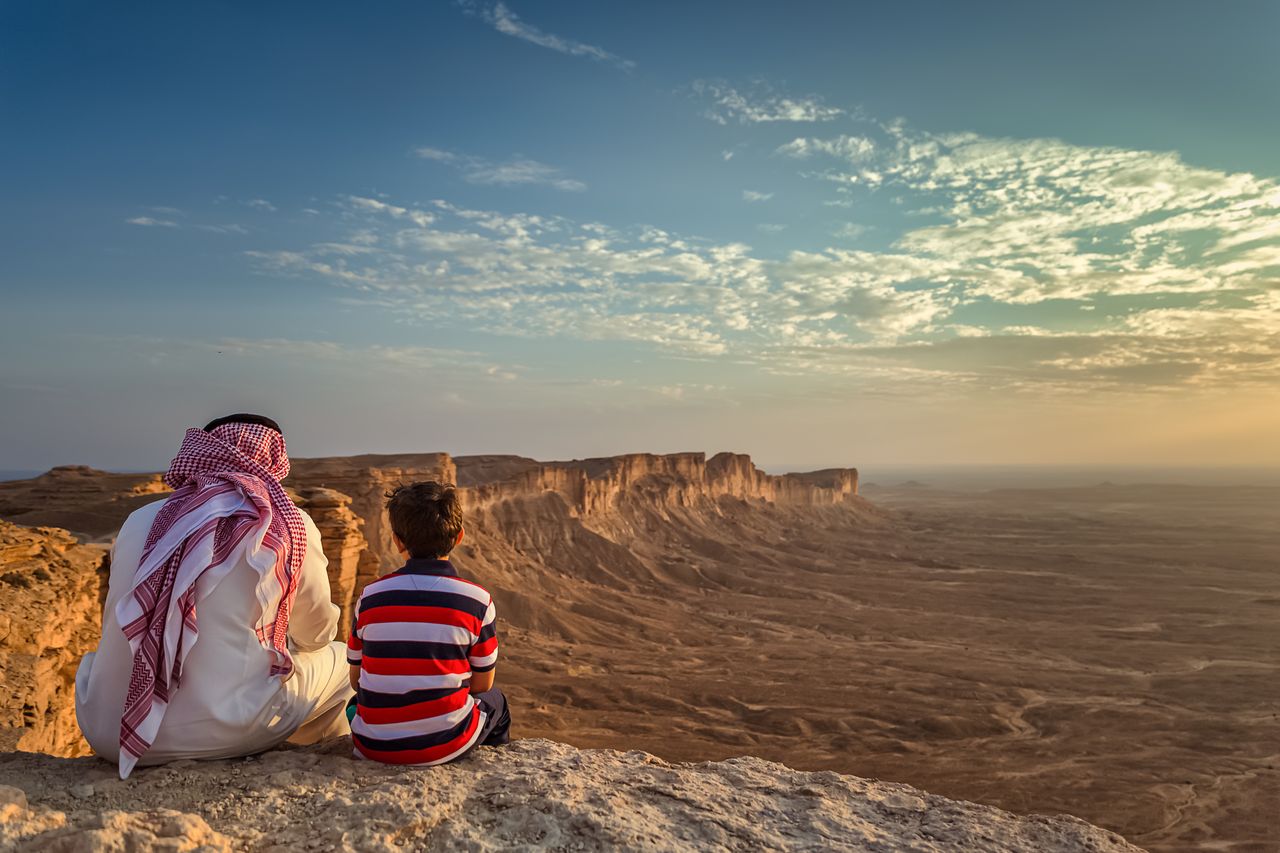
822,233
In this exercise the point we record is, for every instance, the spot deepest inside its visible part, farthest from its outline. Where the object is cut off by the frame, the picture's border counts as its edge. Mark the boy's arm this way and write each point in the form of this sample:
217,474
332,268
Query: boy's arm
483,656
482,681
355,646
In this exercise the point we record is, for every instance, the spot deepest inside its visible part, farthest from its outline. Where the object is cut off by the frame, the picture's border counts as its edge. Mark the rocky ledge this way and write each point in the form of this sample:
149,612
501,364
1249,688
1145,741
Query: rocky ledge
532,794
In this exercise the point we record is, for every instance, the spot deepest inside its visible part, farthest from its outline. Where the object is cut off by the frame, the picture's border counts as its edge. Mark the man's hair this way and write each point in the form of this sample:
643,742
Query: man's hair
243,418
426,516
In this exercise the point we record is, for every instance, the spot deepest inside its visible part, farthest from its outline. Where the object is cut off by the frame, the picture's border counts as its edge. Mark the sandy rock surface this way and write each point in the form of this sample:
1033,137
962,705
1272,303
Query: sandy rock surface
51,594
534,793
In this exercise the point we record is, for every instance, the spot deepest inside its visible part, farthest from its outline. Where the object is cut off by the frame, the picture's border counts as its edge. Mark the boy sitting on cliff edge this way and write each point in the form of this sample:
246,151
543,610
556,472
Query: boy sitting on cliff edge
423,645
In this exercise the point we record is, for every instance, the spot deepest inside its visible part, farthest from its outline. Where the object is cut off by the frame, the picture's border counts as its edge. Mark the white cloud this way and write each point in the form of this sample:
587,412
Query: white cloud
149,222
230,228
517,172
442,156
760,103
261,204
753,195
849,230
852,148
502,19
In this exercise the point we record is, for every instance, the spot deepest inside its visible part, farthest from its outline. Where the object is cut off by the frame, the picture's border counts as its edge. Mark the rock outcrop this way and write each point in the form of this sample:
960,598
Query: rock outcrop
343,544
51,596
532,794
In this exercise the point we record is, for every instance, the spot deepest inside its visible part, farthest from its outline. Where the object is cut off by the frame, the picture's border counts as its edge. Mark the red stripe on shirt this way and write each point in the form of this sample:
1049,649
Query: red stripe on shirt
415,613
413,713
413,666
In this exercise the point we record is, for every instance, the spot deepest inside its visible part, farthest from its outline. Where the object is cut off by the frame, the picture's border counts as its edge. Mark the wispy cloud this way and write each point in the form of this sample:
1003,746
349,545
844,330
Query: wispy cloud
851,148
261,204
152,222
509,173
754,195
222,229
502,19
759,103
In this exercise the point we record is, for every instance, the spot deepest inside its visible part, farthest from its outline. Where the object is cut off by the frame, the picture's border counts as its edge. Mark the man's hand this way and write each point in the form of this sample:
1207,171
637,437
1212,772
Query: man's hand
354,676
482,681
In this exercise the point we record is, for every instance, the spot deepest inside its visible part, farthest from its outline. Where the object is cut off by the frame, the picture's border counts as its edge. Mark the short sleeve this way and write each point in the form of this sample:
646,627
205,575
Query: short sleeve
484,651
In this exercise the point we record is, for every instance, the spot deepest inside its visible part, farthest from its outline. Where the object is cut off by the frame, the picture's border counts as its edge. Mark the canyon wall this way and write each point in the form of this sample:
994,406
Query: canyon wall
594,486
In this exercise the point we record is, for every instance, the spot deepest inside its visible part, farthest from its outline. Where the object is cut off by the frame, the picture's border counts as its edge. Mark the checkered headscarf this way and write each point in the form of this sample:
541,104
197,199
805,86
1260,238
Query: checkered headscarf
227,494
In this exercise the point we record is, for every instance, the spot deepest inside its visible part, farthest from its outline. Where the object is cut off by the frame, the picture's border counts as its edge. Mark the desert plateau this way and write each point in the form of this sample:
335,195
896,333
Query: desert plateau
1107,652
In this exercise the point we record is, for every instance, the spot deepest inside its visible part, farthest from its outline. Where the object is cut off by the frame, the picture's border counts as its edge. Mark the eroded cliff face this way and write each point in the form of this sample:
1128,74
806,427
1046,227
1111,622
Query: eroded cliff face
51,595
594,486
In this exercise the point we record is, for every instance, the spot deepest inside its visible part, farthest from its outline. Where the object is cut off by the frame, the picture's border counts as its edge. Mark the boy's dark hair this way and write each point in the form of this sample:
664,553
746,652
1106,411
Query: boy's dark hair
426,516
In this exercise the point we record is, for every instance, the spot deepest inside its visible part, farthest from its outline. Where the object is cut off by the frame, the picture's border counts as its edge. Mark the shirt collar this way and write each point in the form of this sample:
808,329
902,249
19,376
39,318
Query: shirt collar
418,566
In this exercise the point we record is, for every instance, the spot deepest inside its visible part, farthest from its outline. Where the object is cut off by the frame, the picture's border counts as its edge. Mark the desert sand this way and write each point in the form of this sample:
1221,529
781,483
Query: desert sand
1108,652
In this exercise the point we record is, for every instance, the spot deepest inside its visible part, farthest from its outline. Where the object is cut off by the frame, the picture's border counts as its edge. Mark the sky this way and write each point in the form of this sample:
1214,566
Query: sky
823,233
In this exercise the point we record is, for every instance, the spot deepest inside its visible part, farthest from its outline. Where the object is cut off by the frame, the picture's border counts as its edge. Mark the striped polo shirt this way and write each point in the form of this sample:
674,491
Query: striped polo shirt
418,635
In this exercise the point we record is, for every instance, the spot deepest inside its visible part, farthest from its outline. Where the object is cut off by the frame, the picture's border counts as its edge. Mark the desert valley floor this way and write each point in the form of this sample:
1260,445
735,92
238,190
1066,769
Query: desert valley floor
1111,652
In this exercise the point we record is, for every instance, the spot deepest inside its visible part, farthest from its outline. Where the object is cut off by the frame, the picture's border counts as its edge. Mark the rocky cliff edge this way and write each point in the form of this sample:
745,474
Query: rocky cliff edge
532,794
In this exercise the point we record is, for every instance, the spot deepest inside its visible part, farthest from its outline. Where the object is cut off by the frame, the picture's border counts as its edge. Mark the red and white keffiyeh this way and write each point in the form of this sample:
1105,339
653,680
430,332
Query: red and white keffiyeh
227,500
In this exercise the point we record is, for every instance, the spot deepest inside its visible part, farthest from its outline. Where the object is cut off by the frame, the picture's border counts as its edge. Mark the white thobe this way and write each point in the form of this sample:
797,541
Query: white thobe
227,704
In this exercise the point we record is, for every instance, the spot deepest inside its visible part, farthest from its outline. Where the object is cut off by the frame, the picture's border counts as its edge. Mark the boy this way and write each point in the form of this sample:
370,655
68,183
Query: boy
423,645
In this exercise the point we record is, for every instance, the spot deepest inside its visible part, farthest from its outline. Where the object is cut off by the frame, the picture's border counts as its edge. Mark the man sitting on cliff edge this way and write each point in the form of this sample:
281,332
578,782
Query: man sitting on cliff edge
217,637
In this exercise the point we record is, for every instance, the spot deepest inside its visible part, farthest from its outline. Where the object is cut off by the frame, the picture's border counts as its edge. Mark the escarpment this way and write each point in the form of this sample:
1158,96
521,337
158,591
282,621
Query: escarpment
594,486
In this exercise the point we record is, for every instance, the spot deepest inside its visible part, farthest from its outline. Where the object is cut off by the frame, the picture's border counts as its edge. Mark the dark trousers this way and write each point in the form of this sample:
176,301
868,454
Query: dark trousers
497,723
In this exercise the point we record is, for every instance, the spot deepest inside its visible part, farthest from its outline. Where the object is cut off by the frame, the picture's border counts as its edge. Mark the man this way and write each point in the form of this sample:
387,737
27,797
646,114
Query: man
217,637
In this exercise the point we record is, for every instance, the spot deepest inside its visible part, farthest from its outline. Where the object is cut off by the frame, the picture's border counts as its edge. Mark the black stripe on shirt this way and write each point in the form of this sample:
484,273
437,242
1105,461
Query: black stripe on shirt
424,598
374,699
414,649
416,741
